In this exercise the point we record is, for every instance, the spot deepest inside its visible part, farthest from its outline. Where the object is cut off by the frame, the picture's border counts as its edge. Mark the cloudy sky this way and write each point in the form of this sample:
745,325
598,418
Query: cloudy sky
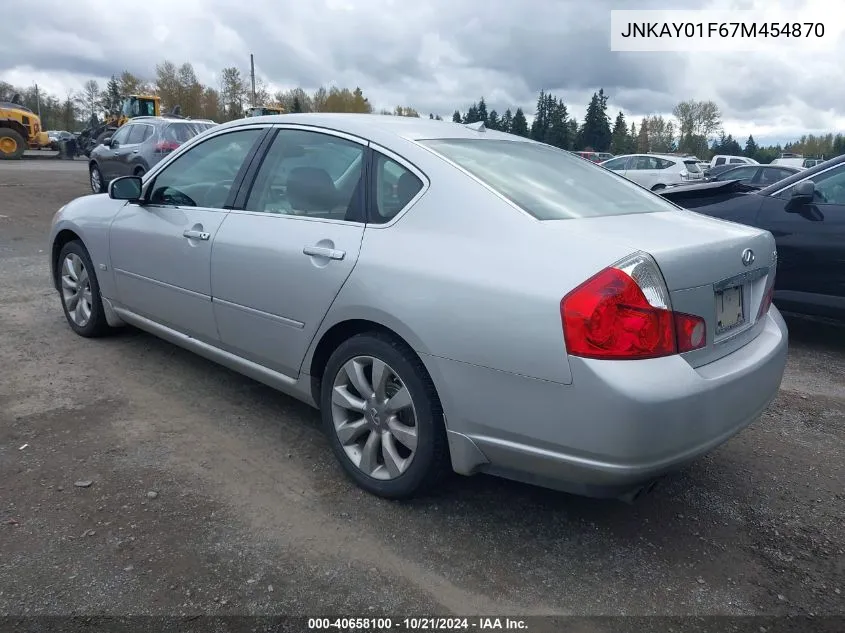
437,55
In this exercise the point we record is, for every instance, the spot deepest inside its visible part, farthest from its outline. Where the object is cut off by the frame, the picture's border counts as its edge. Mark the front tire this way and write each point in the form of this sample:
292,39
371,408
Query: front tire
95,178
12,144
383,418
80,292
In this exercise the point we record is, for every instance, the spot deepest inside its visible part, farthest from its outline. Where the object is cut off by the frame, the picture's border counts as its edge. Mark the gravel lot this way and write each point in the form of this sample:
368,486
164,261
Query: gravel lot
140,479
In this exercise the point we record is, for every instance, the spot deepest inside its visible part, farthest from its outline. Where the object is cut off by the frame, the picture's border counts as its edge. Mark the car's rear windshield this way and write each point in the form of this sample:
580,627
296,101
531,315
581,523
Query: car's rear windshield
182,132
692,166
546,182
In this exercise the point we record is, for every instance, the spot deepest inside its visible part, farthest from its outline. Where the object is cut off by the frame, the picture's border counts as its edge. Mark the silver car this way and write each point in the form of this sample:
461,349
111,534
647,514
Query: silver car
451,299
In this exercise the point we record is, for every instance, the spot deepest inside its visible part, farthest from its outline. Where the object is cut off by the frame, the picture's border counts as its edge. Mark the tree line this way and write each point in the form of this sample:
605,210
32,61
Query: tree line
695,127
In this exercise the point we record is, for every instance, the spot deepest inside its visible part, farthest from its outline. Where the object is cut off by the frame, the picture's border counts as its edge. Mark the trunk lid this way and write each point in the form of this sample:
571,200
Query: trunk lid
706,266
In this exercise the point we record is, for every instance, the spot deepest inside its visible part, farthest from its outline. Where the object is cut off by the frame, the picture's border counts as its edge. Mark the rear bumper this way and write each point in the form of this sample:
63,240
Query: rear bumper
618,425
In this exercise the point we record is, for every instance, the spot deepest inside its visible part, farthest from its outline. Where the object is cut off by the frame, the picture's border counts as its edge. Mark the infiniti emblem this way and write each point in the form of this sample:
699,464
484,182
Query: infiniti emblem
747,257
374,416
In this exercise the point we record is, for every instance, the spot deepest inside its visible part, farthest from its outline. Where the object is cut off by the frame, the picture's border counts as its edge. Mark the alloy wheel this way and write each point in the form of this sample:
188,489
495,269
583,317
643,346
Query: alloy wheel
374,417
76,289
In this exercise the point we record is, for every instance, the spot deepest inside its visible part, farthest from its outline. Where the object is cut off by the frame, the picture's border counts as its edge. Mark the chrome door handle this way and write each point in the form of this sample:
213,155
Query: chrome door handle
321,251
196,235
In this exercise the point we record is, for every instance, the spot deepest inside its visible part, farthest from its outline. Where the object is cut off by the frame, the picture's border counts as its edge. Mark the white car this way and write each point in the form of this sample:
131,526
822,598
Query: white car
726,159
655,171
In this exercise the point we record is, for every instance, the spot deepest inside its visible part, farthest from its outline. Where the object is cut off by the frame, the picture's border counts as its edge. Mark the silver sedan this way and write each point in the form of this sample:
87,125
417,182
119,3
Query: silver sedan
451,298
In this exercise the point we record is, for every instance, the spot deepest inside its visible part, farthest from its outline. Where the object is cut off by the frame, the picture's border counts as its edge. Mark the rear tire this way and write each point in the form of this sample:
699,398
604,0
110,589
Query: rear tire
12,144
139,171
409,450
80,291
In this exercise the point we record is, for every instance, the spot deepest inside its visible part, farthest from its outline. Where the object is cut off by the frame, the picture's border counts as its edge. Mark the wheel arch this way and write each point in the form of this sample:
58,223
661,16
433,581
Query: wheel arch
342,330
62,237
17,126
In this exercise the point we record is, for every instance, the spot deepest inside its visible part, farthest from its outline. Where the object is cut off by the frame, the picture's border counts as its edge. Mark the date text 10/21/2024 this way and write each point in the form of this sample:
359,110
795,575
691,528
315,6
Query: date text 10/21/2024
417,624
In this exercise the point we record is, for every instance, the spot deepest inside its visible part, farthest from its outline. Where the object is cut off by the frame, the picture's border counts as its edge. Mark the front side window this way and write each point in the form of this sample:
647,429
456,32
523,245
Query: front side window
546,182
720,161
395,187
830,187
203,176
310,174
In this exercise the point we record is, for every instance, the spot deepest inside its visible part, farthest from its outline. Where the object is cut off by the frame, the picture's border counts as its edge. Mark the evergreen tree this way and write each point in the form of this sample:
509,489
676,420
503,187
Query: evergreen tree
297,104
520,123
506,123
631,146
557,132
751,147
619,137
481,110
642,139
110,100
493,121
472,115
456,117
596,133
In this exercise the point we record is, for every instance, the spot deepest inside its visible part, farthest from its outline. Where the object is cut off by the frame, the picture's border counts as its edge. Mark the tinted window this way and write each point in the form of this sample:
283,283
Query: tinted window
771,175
617,164
736,160
692,167
203,176
548,183
720,161
311,174
738,173
139,134
395,187
181,132
122,134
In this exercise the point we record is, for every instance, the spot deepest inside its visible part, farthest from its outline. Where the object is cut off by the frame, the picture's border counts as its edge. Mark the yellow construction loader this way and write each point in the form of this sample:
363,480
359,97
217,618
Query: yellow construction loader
20,128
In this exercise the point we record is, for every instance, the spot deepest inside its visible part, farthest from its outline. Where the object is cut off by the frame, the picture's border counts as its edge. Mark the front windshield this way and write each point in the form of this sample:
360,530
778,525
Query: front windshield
548,183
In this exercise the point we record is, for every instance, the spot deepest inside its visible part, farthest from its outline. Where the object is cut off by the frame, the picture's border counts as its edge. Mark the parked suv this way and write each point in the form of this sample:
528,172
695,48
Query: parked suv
137,146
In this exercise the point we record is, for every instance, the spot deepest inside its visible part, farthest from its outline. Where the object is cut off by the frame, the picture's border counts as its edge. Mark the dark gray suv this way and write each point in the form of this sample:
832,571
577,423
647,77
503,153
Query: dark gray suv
138,145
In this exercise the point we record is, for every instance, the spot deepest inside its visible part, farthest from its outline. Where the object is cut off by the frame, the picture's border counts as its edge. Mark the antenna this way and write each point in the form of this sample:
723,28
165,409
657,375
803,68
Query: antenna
478,126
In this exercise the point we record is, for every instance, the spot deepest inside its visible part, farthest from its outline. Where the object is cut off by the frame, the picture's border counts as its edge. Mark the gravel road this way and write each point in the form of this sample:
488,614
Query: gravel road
140,479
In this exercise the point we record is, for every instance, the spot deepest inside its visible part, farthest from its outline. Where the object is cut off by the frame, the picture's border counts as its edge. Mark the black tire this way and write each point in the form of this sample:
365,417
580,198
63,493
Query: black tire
431,462
93,171
20,144
97,325
139,171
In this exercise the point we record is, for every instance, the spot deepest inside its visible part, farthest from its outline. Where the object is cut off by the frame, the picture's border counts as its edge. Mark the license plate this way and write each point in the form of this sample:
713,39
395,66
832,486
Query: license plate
729,312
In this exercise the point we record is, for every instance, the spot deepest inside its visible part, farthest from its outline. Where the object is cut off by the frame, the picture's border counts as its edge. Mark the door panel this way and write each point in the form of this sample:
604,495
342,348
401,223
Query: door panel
161,249
162,274
278,265
811,242
110,166
269,295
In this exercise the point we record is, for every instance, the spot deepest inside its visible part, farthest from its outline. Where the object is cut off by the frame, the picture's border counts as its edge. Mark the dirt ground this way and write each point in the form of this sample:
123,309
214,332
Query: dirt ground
212,494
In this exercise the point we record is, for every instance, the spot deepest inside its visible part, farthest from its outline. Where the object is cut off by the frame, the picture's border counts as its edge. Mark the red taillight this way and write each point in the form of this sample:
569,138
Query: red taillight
163,147
610,317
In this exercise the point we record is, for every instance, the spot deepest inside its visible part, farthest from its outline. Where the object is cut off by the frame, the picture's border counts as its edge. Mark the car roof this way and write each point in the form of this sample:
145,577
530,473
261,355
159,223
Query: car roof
801,175
380,128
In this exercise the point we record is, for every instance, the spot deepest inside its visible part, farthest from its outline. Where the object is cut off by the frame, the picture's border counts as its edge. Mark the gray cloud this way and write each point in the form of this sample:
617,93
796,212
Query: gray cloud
435,56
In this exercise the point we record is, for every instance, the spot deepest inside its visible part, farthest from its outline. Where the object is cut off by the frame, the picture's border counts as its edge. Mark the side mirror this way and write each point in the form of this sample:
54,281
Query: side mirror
107,141
802,194
125,188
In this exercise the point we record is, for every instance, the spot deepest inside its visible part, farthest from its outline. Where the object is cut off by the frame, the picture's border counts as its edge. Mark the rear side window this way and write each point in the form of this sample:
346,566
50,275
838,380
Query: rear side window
395,187
546,182
737,160
139,134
